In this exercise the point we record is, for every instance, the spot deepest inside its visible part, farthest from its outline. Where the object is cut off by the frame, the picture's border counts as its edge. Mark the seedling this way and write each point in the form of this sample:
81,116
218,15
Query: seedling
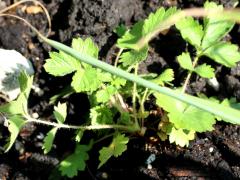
108,86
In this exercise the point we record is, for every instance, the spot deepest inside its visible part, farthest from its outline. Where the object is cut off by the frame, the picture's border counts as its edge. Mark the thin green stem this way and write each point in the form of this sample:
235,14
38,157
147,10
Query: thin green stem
90,127
118,56
134,95
142,105
190,74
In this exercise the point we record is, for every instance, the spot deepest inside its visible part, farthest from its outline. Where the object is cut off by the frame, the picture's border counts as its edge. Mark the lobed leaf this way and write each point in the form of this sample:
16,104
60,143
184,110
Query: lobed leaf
132,57
61,64
180,137
116,148
215,27
101,115
191,31
185,61
85,80
48,140
144,28
75,162
60,112
165,77
185,116
205,71
104,95
224,53
15,124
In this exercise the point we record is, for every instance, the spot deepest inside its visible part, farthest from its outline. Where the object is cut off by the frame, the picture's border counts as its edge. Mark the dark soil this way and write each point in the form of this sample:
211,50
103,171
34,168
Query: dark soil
213,155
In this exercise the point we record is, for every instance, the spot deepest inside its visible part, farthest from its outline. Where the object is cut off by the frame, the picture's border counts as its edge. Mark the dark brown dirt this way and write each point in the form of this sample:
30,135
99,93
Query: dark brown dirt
212,155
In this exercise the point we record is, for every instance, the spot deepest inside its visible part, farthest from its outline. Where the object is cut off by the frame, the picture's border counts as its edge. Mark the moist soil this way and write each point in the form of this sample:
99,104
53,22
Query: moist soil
212,155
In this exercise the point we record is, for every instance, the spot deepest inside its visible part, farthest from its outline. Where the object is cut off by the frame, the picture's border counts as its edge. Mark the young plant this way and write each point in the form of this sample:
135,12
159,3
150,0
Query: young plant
108,87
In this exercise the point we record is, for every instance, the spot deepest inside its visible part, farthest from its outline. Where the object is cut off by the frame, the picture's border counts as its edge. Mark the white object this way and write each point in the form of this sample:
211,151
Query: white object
11,64
213,82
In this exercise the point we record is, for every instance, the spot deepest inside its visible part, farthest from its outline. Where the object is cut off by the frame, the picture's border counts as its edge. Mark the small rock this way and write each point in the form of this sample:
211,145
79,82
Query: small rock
12,63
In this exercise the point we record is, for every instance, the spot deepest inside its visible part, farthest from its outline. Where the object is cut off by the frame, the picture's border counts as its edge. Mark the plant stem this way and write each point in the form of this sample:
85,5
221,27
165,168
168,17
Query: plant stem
189,75
134,95
142,106
90,127
118,56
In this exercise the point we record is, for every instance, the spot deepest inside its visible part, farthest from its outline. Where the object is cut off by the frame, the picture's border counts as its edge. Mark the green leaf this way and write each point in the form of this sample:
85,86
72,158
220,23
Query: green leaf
180,137
86,80
15,125
60,112
143,29
75,162
215,27
185,61
185,116
224,53
116,148
104,95
190,30
86,46
61,64
48,140
166,77
101,115
25,82
130,38
118,82
155,19
79,135
205,71
120,30
132,57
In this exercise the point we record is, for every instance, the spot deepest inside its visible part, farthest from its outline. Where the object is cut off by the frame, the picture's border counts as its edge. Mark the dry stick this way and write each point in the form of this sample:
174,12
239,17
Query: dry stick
2,11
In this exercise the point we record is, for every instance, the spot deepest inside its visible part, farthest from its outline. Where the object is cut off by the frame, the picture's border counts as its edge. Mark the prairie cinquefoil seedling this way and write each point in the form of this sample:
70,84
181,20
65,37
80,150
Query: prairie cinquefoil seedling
108,87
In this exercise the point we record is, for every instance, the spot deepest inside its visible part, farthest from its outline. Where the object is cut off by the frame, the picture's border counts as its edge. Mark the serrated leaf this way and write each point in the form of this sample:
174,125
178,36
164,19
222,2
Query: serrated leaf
15,125
130,38
165,77
185,116
61,64
132,57
104,95
86,80
143,29
118,82
224,53
180,137
101,115
190,30
120,30
75,162
86,46
205,71
48,140
116,148
185,61
60,112
215,27
155,19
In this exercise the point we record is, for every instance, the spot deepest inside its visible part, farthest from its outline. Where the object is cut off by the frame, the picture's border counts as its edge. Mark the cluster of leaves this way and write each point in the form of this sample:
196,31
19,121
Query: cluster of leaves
207,40
107,93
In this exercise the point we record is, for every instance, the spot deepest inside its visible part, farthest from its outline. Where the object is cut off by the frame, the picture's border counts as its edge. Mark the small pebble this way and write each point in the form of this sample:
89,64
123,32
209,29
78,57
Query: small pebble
149,166
211,149
35,115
